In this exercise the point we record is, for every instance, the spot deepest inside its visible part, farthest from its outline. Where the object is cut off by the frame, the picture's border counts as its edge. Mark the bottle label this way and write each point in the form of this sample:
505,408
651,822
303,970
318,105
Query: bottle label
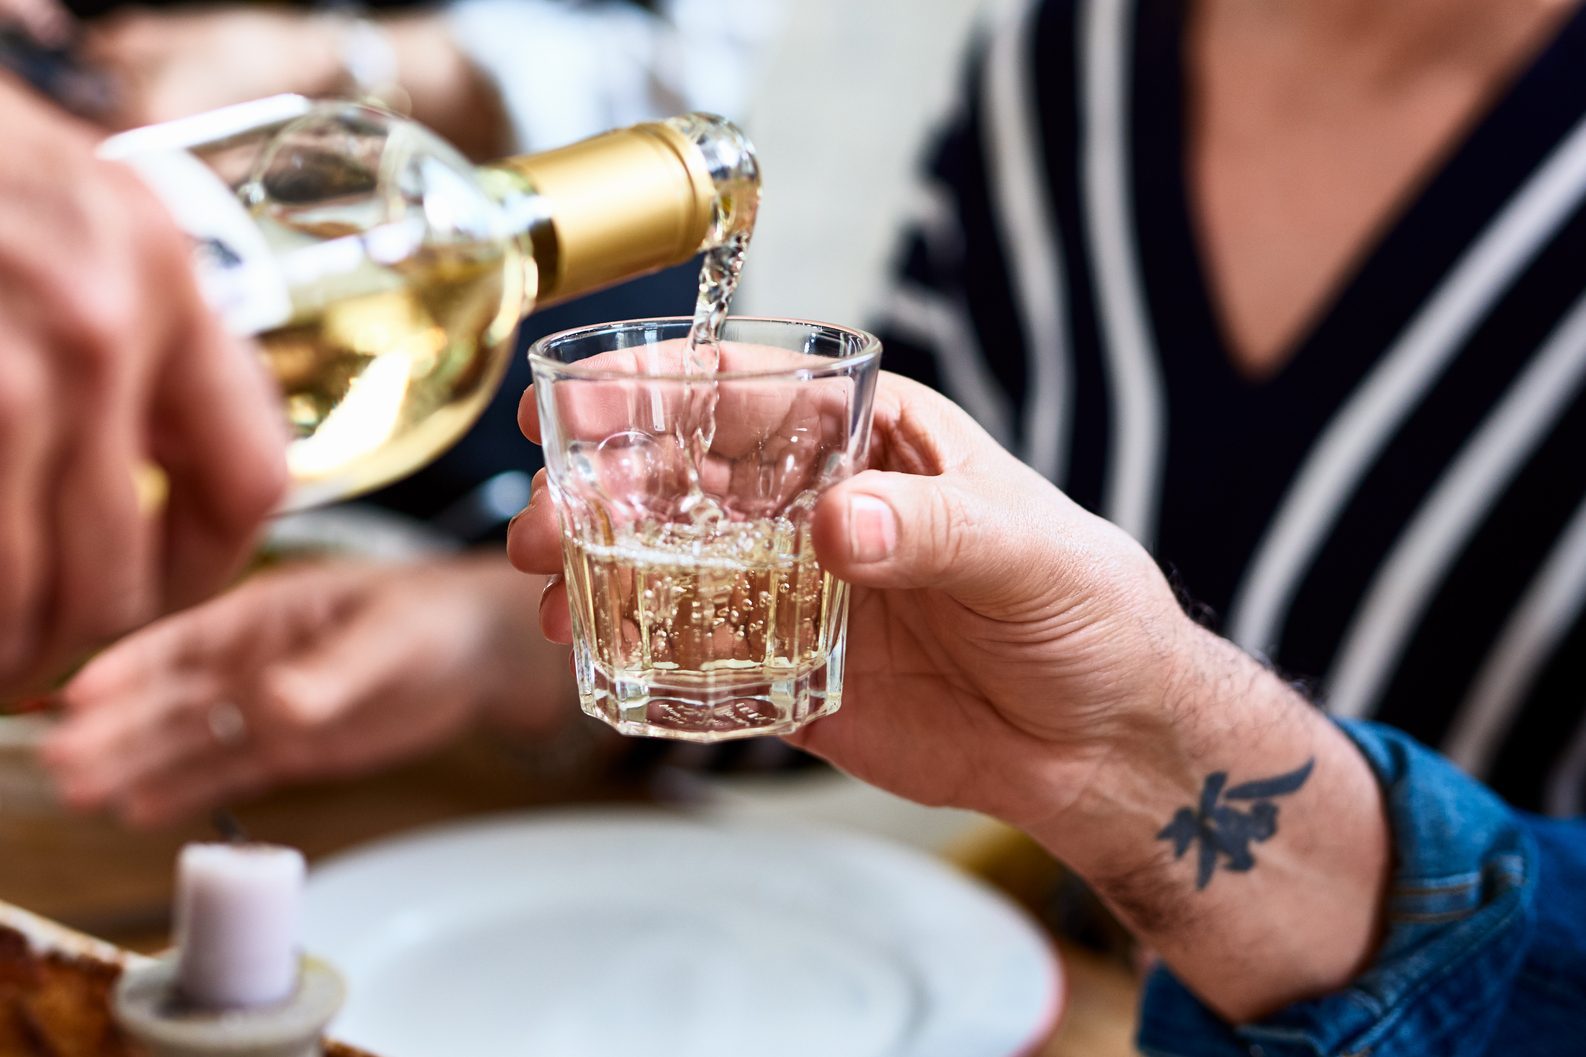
239,276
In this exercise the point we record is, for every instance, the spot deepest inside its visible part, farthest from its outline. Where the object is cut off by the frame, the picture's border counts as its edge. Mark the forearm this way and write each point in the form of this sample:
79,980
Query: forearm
1254,901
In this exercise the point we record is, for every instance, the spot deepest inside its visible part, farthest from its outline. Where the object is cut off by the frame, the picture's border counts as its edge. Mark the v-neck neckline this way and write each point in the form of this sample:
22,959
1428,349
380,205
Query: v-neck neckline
1401,261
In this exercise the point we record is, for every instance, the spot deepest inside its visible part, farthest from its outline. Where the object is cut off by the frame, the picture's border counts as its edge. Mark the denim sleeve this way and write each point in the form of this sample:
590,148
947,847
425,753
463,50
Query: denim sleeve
1485,952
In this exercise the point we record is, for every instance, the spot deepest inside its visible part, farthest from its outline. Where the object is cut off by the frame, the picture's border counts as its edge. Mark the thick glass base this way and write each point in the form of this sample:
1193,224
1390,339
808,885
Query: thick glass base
713,706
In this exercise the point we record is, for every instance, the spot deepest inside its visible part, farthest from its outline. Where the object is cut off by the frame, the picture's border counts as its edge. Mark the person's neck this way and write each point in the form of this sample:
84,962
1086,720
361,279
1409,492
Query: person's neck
1402,33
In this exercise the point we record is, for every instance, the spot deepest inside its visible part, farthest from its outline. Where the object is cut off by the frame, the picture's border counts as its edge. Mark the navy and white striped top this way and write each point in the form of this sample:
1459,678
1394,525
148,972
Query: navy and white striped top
1398,516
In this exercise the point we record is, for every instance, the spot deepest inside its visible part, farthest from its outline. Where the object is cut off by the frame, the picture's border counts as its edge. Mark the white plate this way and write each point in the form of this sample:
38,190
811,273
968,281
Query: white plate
645,934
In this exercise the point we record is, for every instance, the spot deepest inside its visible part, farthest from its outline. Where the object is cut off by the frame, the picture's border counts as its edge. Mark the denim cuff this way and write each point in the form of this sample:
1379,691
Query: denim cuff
1459,921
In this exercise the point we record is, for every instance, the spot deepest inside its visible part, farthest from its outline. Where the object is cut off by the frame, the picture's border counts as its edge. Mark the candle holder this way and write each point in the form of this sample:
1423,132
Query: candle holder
150,1007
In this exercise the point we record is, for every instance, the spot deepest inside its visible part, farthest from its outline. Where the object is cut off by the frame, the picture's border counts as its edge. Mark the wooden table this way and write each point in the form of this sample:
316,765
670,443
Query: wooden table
94,876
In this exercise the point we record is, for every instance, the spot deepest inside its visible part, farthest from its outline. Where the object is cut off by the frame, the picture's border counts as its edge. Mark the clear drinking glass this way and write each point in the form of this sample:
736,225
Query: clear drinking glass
685,498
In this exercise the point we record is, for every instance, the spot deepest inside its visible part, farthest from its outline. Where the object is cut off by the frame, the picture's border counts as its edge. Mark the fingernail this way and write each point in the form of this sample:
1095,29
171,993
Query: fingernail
872,529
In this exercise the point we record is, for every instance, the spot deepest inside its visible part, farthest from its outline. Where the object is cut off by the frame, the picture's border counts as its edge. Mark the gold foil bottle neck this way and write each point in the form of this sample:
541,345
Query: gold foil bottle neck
613,207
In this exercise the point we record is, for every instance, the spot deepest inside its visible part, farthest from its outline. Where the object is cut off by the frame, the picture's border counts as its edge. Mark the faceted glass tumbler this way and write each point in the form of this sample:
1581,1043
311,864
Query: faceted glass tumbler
685,481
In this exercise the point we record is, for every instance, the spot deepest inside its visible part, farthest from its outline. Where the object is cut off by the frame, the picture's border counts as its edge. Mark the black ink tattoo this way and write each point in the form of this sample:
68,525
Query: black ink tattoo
1226,831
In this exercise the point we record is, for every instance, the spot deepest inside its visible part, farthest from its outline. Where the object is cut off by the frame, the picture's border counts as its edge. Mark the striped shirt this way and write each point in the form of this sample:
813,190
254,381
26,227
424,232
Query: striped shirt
1398,517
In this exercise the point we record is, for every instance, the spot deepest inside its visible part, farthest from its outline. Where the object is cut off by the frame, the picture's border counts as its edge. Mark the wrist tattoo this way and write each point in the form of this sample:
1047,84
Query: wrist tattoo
1223,831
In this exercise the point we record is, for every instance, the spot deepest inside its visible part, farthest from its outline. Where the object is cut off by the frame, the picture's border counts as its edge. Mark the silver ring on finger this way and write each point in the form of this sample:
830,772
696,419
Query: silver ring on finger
227,725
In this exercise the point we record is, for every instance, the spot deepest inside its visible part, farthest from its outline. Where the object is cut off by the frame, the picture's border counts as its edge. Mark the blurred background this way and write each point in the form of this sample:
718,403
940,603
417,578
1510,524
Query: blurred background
839,176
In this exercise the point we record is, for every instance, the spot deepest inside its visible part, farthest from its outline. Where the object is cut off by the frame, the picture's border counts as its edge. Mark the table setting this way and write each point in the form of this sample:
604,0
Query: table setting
459,902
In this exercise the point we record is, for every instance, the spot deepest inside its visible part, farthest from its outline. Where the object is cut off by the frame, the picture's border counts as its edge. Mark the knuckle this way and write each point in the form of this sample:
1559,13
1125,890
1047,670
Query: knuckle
120,611
282,726
23,389
291,722
947,529
18,596
256,479
136,267
258,497
97,318
113,614
245,493
13,648
163,245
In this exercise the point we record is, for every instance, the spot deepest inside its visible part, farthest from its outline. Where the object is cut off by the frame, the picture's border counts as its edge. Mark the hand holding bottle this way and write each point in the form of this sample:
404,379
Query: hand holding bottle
108,360
383,276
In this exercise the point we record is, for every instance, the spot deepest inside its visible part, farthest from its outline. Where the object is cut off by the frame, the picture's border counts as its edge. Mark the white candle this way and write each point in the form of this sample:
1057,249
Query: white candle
238,910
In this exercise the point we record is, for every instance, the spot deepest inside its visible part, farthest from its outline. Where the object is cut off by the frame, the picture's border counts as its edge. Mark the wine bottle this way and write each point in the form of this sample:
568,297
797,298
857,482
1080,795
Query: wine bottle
383,275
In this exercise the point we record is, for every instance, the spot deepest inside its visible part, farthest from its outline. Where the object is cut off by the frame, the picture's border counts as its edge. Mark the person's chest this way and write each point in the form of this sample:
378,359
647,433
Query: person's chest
1302,151
1398,514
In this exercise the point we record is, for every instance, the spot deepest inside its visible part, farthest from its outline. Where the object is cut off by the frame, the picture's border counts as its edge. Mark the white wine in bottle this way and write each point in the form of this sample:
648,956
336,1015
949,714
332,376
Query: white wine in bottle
383,276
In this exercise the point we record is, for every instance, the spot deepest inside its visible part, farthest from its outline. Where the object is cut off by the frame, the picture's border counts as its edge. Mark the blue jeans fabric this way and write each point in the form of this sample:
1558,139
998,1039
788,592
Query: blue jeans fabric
1485,953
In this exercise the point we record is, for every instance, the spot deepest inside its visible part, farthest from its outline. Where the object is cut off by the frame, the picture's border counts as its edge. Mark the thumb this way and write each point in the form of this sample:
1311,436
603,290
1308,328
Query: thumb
899,530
